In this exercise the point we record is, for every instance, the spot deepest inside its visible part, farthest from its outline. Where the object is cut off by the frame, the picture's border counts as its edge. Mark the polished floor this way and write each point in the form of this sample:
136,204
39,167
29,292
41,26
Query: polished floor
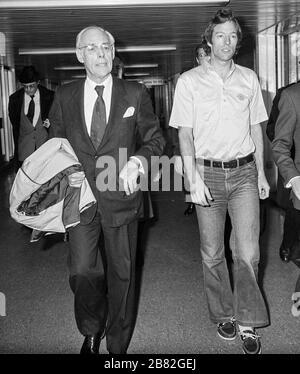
172,315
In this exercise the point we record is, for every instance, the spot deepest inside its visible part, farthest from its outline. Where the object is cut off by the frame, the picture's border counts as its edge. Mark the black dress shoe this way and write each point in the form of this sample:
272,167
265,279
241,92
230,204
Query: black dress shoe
91,345
284,254
190,209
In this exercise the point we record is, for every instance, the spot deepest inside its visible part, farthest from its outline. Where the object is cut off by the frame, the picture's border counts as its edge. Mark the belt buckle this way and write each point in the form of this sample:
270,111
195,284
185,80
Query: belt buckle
230,164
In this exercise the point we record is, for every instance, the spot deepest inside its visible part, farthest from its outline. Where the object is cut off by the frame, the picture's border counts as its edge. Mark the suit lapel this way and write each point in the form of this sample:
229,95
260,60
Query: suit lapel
77,105
20,101
42,102
118,106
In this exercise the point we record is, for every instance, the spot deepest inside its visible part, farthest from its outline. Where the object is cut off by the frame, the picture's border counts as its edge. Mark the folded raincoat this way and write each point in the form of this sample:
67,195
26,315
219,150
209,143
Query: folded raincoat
41,197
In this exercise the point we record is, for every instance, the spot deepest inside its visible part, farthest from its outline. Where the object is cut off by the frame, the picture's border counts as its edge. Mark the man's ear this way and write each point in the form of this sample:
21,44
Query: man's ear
79,55
113,51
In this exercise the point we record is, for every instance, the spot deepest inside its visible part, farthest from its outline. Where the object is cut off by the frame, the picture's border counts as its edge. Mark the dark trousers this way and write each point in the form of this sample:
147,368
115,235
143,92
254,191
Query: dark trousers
291,229
102,278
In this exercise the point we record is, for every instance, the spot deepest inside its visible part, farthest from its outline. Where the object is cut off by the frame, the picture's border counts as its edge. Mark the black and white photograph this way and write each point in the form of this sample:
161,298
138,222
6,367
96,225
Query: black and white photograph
150,180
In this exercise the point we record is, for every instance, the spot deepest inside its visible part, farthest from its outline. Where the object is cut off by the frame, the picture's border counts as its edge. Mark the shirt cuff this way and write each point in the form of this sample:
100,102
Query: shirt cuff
289,184
140,165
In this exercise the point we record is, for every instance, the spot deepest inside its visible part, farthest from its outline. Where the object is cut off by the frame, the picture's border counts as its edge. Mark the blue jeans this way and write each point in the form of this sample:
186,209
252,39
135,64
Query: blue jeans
234,190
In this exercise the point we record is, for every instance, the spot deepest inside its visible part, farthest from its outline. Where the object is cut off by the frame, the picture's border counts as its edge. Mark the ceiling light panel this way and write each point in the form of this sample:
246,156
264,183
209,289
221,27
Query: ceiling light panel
105,3
137,48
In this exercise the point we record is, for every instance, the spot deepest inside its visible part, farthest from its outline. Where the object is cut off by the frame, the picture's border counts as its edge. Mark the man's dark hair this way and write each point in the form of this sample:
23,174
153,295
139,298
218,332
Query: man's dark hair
223,15
29,75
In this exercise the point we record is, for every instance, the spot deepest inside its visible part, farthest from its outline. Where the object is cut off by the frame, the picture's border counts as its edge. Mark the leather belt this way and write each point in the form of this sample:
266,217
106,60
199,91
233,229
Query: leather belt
229,164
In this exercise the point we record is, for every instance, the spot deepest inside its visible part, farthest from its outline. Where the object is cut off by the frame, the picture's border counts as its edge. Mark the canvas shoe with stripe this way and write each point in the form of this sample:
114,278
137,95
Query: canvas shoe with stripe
251,342
227,330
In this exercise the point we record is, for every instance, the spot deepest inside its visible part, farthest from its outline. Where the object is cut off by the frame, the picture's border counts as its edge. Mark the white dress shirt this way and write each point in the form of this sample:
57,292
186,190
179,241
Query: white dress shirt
90,96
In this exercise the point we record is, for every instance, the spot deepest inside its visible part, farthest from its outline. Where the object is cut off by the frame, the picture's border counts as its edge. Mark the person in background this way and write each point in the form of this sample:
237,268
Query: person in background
106,118
287,137
28,110
218,109
292,215
202,53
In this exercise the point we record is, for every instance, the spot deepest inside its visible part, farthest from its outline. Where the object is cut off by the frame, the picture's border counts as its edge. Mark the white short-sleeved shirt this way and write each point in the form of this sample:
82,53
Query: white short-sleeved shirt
219,112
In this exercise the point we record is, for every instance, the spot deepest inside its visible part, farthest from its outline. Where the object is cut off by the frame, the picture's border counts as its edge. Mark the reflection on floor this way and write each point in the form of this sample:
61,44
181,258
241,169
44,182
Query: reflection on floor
172,314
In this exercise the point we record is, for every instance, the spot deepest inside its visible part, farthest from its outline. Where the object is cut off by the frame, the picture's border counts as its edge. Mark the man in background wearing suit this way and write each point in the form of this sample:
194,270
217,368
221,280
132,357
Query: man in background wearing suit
28,110
99,116
286,250
287,136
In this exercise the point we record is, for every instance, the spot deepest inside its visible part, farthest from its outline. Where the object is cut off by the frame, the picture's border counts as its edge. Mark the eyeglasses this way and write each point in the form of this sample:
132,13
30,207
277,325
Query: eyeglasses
92,48
29,85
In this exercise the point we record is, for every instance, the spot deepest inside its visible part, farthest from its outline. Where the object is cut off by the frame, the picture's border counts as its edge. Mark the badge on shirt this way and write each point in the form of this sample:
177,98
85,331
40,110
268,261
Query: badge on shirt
241,97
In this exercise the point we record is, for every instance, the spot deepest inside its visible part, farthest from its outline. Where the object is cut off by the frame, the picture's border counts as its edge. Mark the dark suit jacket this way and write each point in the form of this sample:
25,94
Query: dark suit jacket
270,130
15,106
67,120
282,193
287,134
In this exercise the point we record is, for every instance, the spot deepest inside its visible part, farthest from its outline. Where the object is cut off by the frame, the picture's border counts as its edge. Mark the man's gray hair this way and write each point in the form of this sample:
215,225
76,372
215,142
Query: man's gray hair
110,37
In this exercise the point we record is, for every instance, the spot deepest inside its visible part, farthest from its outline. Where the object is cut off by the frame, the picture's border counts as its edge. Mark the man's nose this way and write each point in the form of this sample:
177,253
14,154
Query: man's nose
227,40
100,51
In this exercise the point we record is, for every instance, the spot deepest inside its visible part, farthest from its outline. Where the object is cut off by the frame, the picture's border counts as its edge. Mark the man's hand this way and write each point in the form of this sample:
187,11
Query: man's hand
178,165
76,179
200,193
128,176
263,187
296,187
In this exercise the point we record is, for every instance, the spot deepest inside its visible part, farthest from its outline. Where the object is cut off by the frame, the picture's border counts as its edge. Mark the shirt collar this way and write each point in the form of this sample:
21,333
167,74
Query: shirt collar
106,83
209,68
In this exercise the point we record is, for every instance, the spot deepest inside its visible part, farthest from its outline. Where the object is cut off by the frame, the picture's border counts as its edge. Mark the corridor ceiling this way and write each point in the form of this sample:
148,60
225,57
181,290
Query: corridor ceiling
49,27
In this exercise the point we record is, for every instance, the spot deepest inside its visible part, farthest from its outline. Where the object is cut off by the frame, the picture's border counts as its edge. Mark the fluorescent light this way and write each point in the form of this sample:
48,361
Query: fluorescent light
104,3
146,48
140,66
135,74
46,51
137,48
135,79
79,67
78,76
67,81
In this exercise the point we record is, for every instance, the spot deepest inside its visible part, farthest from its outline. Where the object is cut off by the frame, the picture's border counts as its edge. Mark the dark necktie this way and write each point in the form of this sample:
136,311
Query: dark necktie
30,113
98,118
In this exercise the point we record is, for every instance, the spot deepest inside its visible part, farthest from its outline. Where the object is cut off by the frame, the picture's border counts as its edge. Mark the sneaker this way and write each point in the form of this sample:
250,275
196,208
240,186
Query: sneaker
227,330
251,342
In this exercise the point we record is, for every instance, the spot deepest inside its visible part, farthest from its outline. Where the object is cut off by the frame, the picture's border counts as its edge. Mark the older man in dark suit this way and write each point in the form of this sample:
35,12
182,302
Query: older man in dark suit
28,110
287,137
106,119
